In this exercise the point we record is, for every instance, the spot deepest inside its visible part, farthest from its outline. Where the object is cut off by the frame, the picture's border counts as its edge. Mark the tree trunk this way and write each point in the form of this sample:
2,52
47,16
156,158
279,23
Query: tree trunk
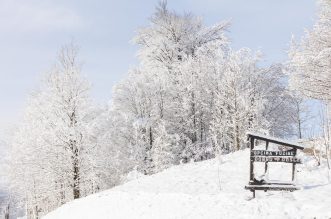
237,139
76,174
62,193
7,212
150,138
300,132
194,136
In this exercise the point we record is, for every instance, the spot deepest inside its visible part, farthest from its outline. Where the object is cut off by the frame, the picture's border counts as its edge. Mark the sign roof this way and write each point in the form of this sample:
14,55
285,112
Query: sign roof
275,140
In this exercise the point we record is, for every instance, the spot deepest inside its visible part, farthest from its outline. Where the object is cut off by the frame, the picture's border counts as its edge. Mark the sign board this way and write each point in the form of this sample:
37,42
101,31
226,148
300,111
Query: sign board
276,159
273,153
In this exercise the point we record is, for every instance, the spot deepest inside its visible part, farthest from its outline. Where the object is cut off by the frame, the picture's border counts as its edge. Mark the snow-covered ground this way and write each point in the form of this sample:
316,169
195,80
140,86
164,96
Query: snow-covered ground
193,191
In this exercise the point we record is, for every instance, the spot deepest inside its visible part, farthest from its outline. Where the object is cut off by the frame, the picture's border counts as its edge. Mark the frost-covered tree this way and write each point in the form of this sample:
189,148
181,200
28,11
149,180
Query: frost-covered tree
171,38
240,99
56,154
301,115
158,90
310,58
326,126
164,148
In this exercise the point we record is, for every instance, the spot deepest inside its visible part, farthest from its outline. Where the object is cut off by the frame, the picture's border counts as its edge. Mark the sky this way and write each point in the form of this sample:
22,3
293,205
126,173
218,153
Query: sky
33,31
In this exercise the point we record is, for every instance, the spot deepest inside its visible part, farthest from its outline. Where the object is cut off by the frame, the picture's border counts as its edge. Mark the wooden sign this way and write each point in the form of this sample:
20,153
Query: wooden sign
266,156
273,153
276,159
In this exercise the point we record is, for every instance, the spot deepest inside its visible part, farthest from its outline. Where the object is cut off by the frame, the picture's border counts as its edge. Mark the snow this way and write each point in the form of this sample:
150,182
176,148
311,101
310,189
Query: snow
193,191
274,139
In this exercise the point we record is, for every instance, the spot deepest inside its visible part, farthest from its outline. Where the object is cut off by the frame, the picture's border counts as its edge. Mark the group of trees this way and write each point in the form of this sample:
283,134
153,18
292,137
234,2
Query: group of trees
310,68
60,151
192,97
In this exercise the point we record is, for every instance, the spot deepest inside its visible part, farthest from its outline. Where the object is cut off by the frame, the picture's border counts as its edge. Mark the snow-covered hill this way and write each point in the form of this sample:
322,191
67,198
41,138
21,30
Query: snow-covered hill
193,191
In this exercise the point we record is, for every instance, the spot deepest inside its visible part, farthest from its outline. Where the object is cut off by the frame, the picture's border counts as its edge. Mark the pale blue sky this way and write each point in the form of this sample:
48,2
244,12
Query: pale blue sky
32,31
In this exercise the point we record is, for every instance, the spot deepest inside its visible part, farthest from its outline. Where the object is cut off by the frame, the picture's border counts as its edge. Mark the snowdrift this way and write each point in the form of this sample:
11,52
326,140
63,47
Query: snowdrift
193,191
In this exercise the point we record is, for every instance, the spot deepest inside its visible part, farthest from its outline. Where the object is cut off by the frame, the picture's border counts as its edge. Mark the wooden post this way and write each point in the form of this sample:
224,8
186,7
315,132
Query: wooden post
251,166
251,175
293,167
266,163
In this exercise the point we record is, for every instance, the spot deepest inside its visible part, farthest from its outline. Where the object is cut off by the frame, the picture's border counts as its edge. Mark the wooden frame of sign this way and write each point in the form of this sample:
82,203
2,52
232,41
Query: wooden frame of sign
266,156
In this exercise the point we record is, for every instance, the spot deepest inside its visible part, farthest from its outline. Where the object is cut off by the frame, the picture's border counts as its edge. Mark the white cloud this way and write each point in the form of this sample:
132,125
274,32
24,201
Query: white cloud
23,16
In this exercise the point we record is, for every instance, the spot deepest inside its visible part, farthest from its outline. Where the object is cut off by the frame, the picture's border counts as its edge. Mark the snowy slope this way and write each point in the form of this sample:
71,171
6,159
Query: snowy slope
192,191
